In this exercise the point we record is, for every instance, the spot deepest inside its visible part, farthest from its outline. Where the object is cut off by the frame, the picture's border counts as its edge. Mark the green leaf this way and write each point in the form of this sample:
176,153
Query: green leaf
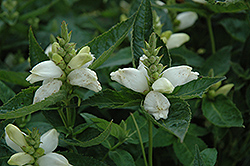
238,29
5,92
103,45
95,141
185,151
21,104
141,30
121,157
178,120
80,160
4,155
122,57
209,156
190,57
248,96
196,130
36,53
219,62
197,158
163,138
222,112
114,99
116,130
196,88
37,12
14,77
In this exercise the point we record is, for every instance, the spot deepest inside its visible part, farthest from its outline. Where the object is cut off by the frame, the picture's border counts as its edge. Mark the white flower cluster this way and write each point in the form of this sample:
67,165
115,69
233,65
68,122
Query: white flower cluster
155,102
29,155
53,72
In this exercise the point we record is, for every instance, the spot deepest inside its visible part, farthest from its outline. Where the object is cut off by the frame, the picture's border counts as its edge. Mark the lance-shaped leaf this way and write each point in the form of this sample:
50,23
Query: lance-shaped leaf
103,45
196,88
114,99
178,120
141,30
95,141
222,112
21,104
14,77
36,53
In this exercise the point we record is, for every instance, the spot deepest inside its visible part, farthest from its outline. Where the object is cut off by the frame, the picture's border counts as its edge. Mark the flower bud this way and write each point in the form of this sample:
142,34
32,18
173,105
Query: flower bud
160,67
62,42
16,135
28,149
177,39
211,94
39,152
224,90
55,47
155,76
79,60
58,60
163,85
153,68
21,158
187,19
85,49
70,46
152,59
215,86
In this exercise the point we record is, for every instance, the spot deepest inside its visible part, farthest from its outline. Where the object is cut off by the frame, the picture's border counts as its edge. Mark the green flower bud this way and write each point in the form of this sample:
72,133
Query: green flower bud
28,149
39,152
166,34
224,90
79,60
85,49
55,47
146,52
155,76
211,94
152,42
153,68
215,86
70,46
156,51
58,60
62,42
152,59
160,67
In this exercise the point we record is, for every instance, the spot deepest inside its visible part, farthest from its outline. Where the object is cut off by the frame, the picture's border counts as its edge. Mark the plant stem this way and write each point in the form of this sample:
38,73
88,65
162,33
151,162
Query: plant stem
140,138
150,143
60,111
112,148
210,30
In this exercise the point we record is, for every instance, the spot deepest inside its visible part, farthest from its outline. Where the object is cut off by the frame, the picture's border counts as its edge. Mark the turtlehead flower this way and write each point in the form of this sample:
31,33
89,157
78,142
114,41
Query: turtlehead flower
186,19
84,77
48,49
157,104
131,78
44,155
176,40
14,137
21,158
180,75
45,70
163,85
53,159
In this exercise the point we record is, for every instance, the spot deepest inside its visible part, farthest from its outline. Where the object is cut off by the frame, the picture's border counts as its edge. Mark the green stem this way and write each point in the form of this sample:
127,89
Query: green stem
210,30
140,138
60,111
112,148
150,143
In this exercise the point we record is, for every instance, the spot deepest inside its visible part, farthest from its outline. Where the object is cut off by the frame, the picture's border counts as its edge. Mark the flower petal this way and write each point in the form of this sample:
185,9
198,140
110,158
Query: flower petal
49,141
53,159
48,49
180,75
163,85
142,67
84,77
131,78
177,39
20,158
47,89
16,135
187,19
157,104
44,70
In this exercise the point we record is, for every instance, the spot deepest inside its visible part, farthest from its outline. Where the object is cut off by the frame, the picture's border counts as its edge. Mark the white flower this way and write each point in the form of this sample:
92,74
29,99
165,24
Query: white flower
200,1
53,159
187,19
14,137
142,67
84,77
157,104
131,78
180,75
49,141
163,85
177,39
48,88
45,70
20,158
